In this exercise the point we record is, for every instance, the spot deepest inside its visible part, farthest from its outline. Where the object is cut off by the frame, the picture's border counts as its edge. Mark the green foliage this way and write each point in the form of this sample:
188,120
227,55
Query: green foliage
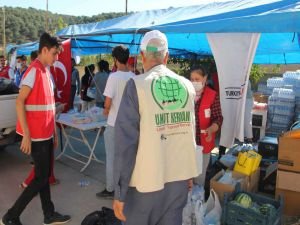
26,25
256,73
276,69
61,23
183,66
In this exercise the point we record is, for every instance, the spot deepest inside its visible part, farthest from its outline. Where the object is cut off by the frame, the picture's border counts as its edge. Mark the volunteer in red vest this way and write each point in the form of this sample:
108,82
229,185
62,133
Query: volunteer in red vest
208,117
35,106
5,70
155,151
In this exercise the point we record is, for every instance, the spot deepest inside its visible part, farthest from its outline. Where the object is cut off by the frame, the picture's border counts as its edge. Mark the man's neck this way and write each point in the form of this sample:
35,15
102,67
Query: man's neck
122,68
152,66
42,61
23,68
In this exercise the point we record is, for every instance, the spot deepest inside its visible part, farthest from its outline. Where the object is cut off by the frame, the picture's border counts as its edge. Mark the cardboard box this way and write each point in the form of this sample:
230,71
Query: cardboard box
259,97
252,182
291,202
288,181
248,183
221,188
289,154
288,186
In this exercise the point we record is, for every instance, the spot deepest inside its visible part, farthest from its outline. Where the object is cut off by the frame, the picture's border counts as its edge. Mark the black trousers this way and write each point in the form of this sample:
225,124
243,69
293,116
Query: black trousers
73,93
41,154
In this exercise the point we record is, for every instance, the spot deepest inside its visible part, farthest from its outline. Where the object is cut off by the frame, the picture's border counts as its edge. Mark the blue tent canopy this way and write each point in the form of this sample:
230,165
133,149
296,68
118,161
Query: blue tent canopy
185,27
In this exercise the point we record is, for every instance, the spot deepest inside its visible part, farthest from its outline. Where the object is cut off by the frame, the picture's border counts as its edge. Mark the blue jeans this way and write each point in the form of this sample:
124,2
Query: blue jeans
109,141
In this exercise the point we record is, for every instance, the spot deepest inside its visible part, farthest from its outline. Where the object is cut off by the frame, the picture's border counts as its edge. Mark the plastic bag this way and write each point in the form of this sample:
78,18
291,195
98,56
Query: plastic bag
188,215
226,178
199,158
91,92
198,193
208,213
96,114
228,160
187,211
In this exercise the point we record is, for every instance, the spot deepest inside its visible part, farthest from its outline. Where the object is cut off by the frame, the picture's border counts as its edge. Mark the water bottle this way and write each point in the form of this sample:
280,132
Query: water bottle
83,183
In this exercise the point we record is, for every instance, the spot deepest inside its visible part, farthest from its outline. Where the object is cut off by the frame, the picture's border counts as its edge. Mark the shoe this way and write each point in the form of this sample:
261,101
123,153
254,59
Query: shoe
56,218
6,221
55,182
23,185
105,194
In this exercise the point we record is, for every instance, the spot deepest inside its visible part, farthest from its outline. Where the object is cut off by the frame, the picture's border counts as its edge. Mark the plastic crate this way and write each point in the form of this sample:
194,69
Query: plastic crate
234,214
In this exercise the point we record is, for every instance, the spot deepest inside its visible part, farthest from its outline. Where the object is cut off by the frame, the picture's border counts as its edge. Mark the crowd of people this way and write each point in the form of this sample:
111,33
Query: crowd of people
95,82
155,120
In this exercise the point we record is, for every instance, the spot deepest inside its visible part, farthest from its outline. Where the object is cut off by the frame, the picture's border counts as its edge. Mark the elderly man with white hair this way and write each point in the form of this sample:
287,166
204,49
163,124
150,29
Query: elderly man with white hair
155,151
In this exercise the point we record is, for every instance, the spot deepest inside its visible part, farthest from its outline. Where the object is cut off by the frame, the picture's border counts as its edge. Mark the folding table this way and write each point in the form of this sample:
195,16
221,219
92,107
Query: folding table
65,120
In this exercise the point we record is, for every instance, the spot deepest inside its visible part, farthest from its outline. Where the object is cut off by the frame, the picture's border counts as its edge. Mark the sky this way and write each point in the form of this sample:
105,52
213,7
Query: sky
94,7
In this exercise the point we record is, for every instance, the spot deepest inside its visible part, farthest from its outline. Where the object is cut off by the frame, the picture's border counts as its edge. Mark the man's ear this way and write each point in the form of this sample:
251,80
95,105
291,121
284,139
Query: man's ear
44,50
166,58
143,57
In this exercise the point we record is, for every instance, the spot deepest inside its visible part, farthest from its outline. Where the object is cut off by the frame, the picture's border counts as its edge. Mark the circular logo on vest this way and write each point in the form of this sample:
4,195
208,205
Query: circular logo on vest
169,93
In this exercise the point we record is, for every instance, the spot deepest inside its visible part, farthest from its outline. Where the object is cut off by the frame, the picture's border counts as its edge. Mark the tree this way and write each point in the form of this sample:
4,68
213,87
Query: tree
25,25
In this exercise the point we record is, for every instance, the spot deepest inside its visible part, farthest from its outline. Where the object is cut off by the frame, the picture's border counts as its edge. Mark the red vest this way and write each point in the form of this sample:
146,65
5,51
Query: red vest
4,72
39,105
204,115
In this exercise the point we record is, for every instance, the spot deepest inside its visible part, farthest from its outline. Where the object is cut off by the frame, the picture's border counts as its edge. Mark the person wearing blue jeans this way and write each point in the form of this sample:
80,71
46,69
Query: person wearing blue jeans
113,93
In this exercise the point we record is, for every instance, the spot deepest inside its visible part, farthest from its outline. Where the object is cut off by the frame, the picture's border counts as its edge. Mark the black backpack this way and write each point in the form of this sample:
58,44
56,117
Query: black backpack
104,217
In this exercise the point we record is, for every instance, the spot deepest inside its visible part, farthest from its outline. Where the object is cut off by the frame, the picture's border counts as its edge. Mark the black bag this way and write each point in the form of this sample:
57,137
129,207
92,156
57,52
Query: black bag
93,218
104,217
109,217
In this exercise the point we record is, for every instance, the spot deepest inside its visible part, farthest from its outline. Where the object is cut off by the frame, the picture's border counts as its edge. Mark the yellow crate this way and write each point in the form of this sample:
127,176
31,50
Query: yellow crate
247,162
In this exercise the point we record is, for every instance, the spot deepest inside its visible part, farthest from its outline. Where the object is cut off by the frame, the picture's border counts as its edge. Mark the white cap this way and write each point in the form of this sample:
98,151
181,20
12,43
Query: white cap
154,41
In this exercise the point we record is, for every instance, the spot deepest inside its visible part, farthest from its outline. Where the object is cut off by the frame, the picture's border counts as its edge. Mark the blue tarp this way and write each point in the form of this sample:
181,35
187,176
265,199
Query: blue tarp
185,27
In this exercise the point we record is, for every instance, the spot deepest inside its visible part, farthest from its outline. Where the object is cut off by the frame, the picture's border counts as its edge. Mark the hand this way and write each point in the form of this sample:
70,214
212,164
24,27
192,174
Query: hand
190,184
118,209
55,141
59,107
105,112
209,132
26,144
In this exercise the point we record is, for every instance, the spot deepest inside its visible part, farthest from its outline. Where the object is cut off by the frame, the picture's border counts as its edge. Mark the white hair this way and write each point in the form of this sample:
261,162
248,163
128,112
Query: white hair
157,56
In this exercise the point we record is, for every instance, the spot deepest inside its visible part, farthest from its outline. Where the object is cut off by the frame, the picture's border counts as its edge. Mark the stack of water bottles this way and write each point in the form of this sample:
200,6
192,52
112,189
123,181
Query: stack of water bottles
281,109
263,88
293,78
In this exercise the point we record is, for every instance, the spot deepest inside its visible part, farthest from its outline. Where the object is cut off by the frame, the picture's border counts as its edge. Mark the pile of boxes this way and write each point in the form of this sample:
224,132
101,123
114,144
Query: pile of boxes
288,174
246,172
246,183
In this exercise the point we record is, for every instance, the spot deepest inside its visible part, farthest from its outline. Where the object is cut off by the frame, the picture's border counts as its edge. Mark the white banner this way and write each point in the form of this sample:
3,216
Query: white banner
233,53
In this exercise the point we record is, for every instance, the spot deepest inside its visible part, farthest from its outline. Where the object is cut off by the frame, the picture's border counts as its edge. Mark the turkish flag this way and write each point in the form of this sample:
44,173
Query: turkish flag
61,72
